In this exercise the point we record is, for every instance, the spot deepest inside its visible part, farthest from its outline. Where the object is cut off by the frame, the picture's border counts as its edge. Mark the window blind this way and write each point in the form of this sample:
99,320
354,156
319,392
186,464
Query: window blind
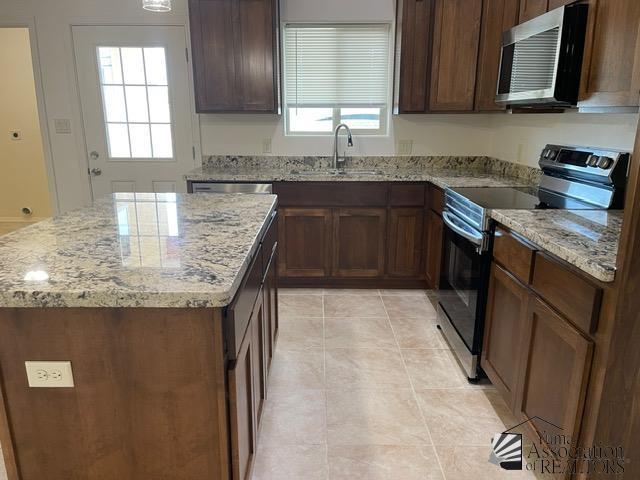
336,65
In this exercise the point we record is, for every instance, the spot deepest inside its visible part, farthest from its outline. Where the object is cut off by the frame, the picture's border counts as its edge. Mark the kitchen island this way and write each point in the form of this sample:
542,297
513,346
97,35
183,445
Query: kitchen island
165,307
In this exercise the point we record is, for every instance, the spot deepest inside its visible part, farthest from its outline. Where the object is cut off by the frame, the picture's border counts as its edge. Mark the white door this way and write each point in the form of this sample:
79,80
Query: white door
136,104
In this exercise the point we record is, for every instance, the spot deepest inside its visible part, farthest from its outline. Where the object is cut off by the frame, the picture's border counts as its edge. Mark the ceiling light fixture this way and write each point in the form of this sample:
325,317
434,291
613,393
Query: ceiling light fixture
157,5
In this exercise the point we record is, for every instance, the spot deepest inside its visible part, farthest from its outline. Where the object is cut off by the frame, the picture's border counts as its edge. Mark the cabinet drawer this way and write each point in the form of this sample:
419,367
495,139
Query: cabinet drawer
435,199
331,194
239,312
406,195
571,294
269,242
514,255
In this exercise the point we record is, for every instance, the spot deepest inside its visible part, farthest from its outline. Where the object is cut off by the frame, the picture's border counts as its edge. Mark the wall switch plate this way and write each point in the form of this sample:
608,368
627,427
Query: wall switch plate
405,147
266,145
15,135
49,374
62,125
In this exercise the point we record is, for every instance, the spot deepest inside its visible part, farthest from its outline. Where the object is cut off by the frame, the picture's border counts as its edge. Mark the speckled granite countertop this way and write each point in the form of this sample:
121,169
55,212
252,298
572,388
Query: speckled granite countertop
136,250
587,239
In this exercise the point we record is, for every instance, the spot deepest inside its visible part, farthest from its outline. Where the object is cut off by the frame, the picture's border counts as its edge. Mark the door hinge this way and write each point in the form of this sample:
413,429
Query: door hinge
186,54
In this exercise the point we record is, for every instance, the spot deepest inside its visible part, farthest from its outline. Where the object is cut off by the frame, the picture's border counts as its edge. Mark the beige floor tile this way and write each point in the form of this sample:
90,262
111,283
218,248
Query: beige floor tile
353,306
300,305
383,462
291,462
300,332
463,416
365,368
472,463
403,292
417,332
432,369
292,370
374,417
408,306
294,418
300,291
352,291
368,332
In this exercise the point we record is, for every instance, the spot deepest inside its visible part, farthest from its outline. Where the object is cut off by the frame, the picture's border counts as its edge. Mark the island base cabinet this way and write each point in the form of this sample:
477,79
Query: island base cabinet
558,364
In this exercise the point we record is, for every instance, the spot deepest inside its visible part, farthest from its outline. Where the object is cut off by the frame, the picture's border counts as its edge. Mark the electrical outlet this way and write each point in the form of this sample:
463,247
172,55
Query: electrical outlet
62,125
266,145
15,135
405,147
49,374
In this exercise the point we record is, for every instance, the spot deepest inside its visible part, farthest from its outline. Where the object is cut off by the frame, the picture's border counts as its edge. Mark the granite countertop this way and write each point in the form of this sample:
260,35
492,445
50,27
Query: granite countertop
442,177
587,239
136,250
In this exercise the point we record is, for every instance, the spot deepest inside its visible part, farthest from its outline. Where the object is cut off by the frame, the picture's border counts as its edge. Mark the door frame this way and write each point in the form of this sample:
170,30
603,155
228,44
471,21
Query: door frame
43,119
195,118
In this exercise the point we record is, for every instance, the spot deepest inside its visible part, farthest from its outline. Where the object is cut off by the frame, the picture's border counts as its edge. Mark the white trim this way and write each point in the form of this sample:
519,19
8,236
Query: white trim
43,119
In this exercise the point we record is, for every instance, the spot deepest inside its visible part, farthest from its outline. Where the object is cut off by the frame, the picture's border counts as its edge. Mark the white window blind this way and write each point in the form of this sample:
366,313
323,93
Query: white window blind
336,65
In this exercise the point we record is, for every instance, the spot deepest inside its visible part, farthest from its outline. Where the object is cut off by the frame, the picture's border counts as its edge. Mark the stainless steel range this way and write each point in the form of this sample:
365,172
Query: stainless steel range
574,178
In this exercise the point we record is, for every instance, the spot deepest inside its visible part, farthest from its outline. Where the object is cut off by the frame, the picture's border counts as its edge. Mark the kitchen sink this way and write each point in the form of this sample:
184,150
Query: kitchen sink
337,173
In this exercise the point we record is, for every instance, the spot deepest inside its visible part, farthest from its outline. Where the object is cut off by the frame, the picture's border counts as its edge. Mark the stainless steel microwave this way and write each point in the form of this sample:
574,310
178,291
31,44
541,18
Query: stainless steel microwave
541,59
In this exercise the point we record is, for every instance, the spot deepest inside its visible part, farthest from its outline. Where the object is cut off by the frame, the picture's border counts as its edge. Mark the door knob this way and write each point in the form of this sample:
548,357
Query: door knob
94,155
96,172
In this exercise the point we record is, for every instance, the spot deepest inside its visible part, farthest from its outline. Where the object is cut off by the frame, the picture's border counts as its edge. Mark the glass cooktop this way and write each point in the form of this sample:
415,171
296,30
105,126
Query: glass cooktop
521,198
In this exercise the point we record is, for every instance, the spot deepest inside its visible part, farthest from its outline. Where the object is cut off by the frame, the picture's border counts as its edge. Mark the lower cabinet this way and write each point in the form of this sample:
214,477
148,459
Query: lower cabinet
557,359
271,305
359,242
505,326
435,229
305,242
405,234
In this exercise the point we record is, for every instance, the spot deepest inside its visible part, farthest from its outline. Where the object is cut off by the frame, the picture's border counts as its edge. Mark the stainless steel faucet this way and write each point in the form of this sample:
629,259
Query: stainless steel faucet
336,157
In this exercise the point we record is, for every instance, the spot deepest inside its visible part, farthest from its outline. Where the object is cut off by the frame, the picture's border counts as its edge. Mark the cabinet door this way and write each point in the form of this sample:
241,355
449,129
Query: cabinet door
497,16
434,248
359,237
405,245
456,38
611,67
242,408
260,340
504,330
532,8
557,361
304,238
413,44
271,305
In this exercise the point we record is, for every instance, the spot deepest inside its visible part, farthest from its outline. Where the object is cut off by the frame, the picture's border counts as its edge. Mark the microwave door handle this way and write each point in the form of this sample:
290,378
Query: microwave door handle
451,222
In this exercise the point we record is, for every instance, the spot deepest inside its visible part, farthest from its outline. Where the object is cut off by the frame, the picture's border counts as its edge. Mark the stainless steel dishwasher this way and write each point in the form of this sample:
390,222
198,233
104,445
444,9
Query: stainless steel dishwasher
211,187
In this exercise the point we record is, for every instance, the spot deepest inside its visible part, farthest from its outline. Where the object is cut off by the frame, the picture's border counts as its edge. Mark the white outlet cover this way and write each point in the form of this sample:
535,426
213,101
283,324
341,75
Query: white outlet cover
266,145
62,125
49,374
405,147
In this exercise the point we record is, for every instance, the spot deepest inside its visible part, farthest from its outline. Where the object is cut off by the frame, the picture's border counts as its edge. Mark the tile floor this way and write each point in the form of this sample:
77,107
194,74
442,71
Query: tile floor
363,386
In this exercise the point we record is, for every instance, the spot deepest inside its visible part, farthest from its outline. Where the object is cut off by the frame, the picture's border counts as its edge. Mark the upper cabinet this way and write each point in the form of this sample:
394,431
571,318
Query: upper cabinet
235,45
611,68
532,8
456,38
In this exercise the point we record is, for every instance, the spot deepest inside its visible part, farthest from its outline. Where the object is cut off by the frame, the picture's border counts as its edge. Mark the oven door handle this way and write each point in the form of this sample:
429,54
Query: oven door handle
463,230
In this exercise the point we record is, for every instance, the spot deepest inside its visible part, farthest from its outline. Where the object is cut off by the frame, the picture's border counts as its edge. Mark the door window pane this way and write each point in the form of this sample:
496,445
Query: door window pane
135,97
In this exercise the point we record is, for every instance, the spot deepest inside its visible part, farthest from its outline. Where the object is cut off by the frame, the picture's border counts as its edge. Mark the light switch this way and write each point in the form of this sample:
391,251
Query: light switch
49,374
62,125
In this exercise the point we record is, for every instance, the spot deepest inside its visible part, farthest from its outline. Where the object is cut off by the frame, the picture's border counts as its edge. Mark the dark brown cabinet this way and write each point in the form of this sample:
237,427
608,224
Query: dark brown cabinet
305,241
435,229
611,66
235,47
359,242
271,305
456,38
558,362
497,17
405,241
505,326
413,41
532,8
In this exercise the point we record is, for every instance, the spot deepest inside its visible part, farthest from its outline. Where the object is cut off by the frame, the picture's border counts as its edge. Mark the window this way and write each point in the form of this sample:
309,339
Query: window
336,74
135,99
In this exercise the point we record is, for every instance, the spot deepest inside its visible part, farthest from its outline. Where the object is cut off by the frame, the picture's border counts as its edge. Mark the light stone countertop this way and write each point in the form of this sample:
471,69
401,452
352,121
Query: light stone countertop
136,250
587,239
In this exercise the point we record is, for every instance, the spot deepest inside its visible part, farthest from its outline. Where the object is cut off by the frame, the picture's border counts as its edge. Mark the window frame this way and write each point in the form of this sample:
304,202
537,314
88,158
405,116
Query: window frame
385,110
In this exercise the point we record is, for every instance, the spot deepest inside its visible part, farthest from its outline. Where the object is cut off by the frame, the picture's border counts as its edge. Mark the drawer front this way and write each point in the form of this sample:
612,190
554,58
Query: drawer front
269,242
239,312
407,195
331,194
435,199
575,297
514,255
